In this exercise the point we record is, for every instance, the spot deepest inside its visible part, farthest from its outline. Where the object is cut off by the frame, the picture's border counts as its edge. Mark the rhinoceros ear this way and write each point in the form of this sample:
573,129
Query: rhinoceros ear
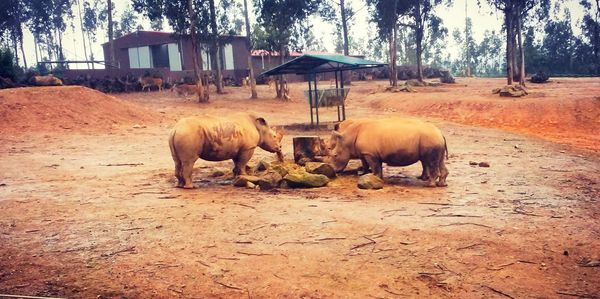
261,121
337,135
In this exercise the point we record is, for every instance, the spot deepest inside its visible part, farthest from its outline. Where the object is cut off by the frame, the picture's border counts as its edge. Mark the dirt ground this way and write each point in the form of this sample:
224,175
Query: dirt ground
88,208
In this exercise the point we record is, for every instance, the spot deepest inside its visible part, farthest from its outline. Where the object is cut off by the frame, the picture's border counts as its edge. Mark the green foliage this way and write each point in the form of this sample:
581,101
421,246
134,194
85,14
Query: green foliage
8,67
230,20
95,15
176,14
282,19
128,23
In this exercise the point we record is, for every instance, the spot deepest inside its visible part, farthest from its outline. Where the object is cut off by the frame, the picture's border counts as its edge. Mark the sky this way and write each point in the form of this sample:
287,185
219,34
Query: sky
484,18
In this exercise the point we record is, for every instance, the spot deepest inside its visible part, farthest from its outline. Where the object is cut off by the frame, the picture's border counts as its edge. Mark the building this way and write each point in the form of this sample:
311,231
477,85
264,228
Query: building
171,56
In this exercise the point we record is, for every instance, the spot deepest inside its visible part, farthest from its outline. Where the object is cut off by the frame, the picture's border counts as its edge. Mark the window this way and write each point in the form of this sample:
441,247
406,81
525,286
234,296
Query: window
174,57
134,61
206,63
228,57
140,58
160,55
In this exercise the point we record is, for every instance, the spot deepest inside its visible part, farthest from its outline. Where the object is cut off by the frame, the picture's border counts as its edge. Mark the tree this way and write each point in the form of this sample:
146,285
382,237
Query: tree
384,13
253,95
8,67
489,63
157,24
434,43
591,29
187,18
558,44
12,18
417,15
281,19
214,49
128,22
94,17
341,16
111,44
469,54
515,12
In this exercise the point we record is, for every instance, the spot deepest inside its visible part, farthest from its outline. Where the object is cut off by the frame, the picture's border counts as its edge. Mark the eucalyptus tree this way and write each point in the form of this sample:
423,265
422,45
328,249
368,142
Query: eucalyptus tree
280,19
187,18
515,11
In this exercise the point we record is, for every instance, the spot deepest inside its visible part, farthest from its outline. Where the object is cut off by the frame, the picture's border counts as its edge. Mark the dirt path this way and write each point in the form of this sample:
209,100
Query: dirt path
73,226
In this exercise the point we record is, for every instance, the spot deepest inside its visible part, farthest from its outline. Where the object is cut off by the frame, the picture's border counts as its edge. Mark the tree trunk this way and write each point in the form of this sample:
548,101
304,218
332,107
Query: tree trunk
279,84
467,54
16,50
344,27
60,47
419,39
596,46
23,52
521,53
393,59
35,48
419,36
249,47
91,51
215,46
509,46
82,33
111,50
196,57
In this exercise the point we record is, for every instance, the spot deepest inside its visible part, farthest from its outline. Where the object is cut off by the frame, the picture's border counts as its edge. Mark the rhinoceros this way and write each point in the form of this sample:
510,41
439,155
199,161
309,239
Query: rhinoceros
219,139
394,141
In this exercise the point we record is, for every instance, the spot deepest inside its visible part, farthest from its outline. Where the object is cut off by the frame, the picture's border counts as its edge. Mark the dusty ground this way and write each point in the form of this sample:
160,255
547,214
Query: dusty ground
73,226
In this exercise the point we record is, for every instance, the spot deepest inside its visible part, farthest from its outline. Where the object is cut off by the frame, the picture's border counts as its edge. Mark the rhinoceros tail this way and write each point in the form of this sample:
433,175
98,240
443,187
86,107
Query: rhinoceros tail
445,146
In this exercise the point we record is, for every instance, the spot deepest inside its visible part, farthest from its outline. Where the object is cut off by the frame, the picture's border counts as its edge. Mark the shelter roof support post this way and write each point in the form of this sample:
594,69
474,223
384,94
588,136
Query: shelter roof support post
337,93
310,98
343,102
316,100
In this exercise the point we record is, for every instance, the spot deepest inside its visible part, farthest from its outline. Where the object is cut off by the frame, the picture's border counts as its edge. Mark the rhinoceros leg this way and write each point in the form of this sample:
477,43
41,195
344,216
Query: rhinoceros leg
374,164
187,167
365,166
443,173
424,173
178,174
241,160
436,170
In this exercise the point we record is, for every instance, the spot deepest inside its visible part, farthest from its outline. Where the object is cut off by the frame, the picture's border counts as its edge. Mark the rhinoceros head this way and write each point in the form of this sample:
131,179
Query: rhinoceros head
339,152
270,139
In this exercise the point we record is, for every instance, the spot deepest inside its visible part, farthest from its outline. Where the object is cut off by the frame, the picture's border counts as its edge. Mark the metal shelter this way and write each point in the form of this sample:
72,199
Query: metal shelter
310,65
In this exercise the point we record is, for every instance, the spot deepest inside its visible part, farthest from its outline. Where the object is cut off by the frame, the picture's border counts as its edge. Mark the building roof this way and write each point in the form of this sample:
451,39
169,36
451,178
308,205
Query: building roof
154,37
296,54
318,63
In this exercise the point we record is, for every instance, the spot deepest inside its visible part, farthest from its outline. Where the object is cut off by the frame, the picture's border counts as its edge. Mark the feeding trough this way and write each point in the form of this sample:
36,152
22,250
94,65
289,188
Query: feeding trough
309,149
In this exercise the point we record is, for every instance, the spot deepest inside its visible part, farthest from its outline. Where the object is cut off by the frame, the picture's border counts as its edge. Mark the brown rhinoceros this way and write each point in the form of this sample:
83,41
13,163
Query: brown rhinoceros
219,139
394,141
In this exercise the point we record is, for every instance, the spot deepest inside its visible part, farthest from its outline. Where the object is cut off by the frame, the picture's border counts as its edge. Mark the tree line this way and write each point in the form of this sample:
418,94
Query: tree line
536,35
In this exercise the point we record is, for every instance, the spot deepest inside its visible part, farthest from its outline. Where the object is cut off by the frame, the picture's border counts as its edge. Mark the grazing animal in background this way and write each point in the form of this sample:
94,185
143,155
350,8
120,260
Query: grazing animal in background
269,81
217,139
185,89
148,82
48,80
394,141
